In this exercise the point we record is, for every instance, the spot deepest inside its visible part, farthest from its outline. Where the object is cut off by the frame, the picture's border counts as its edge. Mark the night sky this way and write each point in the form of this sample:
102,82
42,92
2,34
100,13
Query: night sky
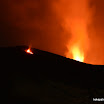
36,23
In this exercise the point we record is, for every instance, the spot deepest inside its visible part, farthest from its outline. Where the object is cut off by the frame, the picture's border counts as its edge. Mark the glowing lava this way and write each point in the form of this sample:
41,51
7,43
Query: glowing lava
29,51
77,54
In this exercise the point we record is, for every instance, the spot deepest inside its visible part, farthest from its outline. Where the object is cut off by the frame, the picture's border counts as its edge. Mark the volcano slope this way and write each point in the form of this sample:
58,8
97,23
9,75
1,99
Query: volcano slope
47,78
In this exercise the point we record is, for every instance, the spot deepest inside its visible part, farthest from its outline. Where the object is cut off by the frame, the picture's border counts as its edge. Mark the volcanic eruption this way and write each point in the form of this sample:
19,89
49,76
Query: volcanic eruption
45,77
57,26
29,51
76,17
77,23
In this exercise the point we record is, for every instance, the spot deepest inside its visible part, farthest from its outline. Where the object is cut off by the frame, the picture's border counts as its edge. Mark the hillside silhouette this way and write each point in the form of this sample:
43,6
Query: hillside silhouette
47,78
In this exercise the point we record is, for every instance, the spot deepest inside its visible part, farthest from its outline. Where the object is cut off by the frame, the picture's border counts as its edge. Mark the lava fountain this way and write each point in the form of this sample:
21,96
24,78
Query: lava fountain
77,23
77,54
75,18
29,51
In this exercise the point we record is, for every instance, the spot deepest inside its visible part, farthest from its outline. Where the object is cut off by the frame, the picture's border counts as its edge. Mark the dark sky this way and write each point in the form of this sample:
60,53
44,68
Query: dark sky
35,22
30,22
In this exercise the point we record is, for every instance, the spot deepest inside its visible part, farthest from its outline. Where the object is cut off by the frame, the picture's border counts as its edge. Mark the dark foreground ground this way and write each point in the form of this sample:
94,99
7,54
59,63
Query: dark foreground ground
46,78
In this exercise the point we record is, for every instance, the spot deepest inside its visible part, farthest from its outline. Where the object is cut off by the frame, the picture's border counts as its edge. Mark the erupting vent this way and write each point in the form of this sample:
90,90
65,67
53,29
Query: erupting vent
29,51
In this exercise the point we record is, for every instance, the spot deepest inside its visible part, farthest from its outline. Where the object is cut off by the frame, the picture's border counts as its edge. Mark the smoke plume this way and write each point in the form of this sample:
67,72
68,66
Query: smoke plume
57,26
76,17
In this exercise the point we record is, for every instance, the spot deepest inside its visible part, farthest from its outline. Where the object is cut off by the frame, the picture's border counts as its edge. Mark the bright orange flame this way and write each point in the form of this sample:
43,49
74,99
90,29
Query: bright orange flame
77,54
29,51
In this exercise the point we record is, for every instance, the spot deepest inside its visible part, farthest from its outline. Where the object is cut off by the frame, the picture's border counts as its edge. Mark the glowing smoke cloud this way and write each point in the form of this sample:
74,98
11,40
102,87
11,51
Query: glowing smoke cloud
76,17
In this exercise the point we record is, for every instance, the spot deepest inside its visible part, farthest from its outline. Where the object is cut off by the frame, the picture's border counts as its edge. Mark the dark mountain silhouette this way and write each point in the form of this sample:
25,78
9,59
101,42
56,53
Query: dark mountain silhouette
47,78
